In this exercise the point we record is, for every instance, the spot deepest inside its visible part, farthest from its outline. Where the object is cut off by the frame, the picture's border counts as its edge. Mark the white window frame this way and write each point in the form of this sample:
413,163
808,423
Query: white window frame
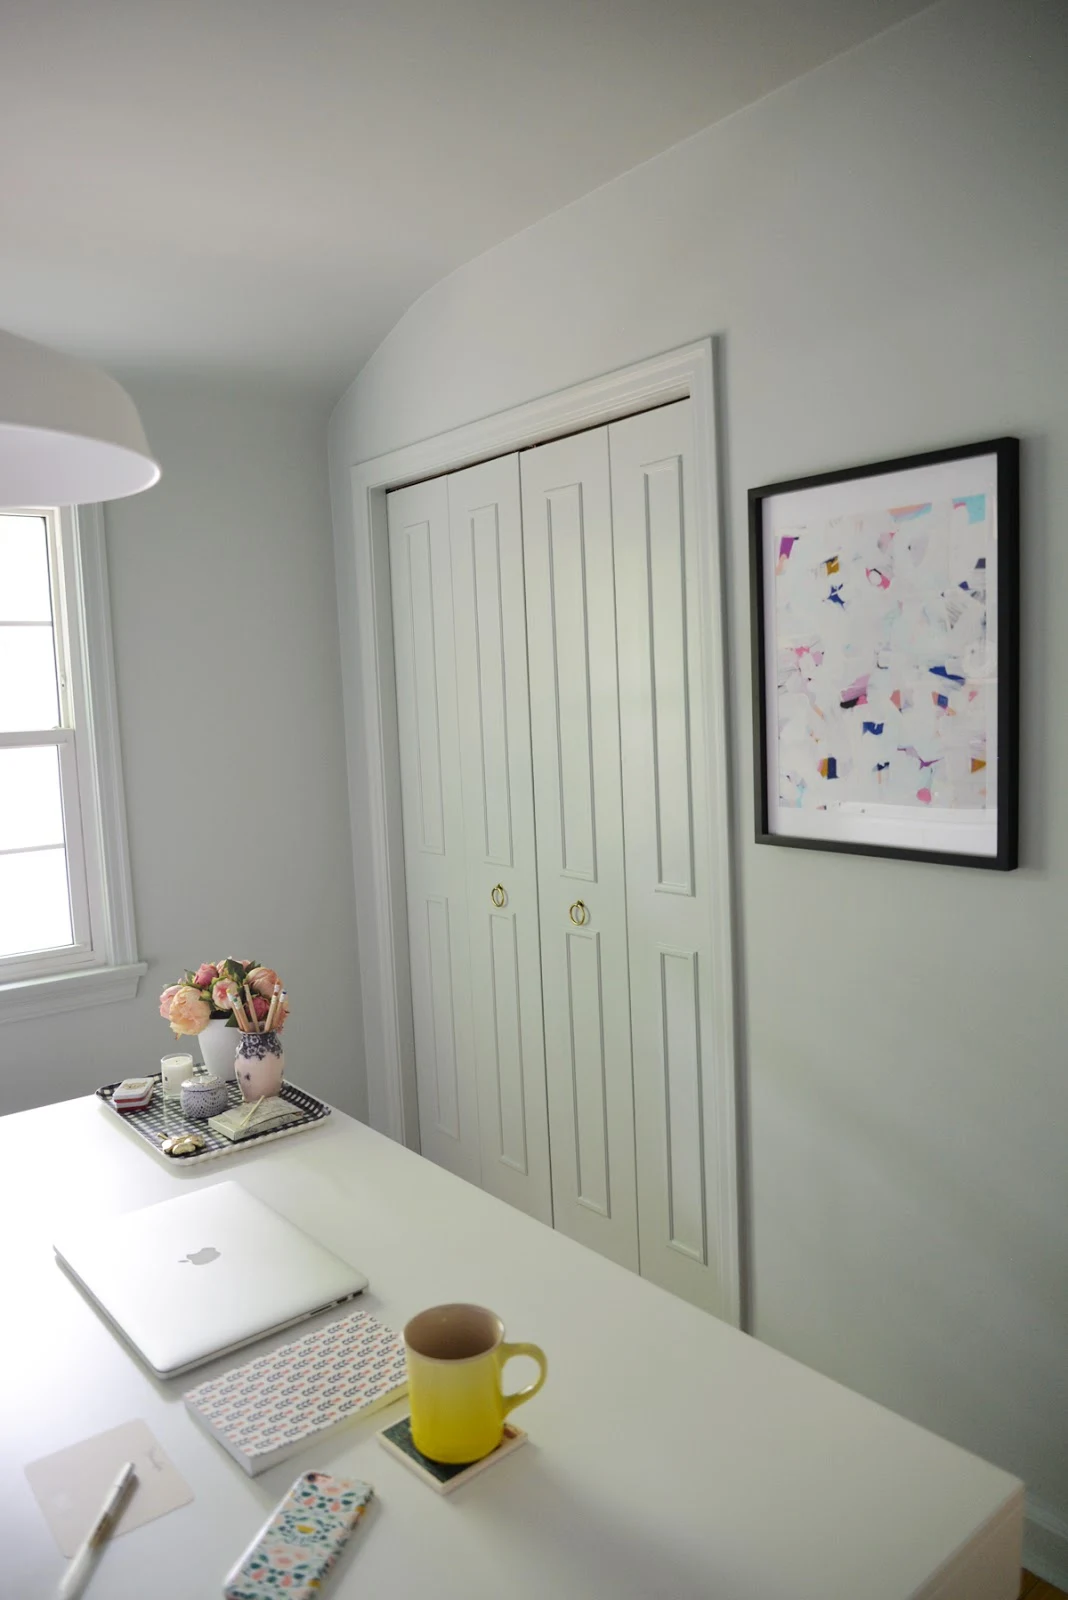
101,965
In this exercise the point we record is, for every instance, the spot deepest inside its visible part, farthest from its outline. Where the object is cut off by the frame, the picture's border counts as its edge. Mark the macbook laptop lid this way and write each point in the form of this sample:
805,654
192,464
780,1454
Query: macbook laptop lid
201,1275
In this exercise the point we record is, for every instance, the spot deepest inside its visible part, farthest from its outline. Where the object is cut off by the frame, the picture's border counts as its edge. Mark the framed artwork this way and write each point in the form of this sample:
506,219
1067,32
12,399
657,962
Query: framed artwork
886,657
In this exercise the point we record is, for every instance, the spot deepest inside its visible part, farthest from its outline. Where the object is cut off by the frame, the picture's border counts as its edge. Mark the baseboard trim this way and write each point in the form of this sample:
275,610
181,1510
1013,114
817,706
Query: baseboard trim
1045,1544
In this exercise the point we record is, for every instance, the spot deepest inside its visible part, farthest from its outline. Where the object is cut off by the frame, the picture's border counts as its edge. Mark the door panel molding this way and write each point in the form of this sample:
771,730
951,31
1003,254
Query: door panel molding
485,535
585,1005
442,1012
680,1018
508,1037
427,718
665,553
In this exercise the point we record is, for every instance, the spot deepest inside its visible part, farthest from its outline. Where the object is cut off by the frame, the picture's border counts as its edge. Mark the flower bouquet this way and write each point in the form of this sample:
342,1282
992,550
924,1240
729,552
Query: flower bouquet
240,993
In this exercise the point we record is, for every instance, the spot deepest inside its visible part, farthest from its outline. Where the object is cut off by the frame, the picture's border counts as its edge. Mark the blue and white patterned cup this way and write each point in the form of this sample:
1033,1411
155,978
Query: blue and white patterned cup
204,1096
260,1065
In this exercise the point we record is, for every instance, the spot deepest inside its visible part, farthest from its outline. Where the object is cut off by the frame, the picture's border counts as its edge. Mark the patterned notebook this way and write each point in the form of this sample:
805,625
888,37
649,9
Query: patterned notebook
269,1408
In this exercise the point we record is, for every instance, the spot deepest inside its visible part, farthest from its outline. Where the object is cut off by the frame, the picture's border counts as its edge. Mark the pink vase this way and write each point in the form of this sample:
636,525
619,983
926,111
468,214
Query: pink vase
260,1064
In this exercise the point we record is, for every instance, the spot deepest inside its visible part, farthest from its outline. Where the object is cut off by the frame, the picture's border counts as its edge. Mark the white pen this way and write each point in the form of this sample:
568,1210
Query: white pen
77,1574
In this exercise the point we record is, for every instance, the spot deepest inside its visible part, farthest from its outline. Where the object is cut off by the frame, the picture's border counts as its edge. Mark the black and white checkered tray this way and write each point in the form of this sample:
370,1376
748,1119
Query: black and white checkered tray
165,1119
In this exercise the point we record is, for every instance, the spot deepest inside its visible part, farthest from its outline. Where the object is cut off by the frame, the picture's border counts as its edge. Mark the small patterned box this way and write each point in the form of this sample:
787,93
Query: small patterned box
269,1408
295,1551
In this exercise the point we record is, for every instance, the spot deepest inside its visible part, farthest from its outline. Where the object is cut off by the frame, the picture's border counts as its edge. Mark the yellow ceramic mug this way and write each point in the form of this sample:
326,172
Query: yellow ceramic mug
455,1358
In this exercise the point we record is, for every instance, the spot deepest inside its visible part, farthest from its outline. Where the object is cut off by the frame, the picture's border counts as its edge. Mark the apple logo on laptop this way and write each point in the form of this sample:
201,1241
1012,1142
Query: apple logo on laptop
200,1258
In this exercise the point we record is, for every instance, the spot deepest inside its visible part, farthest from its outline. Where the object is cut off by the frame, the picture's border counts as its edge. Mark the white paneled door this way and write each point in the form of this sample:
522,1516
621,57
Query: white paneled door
502,884
571,633
670,888
435,853
556,662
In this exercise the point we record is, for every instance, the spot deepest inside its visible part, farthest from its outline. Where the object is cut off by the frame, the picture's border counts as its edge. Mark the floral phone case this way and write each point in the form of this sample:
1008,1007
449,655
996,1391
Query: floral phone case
296,1549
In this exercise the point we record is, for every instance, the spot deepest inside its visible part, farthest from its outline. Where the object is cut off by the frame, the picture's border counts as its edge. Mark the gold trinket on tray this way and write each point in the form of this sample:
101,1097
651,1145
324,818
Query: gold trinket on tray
183,1144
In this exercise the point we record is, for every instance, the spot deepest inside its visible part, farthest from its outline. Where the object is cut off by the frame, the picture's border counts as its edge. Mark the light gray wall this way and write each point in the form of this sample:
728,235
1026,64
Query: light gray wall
225,631
881,248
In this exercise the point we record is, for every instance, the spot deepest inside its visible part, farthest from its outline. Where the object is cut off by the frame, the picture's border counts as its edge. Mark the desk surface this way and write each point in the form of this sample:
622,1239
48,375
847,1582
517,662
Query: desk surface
669,1455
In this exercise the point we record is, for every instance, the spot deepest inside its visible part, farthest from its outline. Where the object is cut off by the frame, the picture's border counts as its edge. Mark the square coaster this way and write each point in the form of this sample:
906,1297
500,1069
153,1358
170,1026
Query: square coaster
443,1477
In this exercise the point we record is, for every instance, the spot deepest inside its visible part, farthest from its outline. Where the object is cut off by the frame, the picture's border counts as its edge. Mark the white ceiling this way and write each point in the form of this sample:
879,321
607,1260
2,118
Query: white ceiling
266,185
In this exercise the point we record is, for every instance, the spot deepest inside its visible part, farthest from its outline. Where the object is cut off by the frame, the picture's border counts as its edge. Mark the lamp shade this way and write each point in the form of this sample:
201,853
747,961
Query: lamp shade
69,434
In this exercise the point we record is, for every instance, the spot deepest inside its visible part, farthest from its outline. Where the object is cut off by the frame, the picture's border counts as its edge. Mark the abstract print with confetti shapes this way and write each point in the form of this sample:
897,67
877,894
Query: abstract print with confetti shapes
886,668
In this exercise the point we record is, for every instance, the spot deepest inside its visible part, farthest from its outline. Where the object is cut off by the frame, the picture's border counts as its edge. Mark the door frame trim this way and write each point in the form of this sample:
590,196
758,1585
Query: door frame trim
373,756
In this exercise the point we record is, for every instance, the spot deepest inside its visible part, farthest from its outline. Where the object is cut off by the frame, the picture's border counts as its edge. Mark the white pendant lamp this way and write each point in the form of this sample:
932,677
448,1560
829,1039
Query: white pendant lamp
69,434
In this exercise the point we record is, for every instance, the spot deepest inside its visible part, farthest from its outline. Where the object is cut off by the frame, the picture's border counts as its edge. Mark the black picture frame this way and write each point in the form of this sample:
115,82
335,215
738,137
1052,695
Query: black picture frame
1003,855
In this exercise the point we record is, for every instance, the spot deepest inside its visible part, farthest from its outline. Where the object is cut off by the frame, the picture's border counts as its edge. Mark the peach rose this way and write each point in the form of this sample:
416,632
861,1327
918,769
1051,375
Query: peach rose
262,980
190,1011
223,994
165,1000
206,975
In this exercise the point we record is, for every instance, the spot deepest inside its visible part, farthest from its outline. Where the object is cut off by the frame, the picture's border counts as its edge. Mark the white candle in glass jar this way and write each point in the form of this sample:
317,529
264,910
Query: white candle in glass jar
175,1069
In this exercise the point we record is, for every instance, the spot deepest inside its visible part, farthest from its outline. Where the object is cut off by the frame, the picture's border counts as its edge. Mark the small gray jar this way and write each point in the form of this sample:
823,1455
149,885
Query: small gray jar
204,1096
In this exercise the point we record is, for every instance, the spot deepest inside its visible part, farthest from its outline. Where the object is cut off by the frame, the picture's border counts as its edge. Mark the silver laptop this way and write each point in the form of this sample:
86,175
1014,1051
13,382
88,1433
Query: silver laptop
196,1277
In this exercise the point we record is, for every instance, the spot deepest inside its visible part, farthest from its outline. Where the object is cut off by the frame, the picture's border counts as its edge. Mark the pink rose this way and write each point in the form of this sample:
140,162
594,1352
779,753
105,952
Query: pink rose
260,1006
223,994
165,1000
206,975
190,1011
262,980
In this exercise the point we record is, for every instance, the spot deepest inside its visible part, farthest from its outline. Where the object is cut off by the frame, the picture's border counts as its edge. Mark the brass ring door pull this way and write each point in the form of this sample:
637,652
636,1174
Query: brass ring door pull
498,896
579,914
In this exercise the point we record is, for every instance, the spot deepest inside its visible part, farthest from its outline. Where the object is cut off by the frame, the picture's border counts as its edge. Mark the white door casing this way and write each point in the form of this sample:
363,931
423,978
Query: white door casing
435,856
574,720
671,883
489,613
361,490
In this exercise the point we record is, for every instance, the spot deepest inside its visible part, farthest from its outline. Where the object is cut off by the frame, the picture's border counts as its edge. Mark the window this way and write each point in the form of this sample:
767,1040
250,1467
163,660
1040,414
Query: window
66,924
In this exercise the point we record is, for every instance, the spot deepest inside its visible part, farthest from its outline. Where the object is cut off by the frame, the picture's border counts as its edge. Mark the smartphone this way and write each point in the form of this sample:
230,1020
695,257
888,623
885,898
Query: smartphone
297,1547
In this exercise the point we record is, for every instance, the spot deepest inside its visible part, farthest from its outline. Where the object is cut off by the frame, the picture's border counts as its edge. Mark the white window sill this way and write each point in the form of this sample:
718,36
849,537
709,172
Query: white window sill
69,991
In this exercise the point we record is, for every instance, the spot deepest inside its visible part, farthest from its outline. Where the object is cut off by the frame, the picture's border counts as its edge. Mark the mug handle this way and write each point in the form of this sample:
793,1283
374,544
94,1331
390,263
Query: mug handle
507,1351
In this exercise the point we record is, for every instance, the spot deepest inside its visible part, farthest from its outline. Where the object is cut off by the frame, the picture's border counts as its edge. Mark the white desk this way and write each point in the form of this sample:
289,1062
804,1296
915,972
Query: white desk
670,1456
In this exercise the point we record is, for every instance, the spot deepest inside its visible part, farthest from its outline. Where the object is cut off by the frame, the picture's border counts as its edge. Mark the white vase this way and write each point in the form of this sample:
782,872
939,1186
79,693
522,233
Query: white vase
218,1046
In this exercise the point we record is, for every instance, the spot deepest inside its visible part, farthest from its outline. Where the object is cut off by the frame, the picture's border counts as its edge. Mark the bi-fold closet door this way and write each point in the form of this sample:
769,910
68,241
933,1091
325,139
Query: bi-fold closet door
549,639
456,567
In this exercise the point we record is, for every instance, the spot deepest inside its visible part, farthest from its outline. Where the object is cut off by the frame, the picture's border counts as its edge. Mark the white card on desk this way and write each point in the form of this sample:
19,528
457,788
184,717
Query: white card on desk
70,1485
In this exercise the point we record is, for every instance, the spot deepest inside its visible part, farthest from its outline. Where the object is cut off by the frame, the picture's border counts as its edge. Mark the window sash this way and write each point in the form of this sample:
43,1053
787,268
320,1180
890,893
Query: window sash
84,882
63,980
59,958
